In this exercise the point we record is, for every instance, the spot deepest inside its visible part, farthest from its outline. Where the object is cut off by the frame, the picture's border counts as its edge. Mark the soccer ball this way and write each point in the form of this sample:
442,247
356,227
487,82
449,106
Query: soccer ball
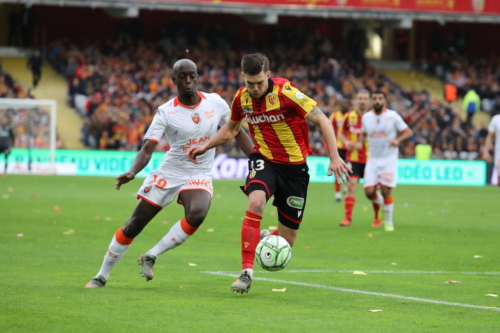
273,253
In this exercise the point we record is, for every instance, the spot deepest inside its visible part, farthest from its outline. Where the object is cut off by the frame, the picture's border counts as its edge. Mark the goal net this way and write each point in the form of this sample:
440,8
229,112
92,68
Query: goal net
34,124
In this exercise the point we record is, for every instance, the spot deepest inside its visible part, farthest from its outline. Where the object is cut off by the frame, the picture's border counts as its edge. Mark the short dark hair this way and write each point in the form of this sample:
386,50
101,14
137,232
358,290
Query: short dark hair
378,92
254,63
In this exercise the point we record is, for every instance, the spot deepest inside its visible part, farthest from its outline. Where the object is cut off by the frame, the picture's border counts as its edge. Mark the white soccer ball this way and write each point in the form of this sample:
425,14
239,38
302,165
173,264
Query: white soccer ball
273,253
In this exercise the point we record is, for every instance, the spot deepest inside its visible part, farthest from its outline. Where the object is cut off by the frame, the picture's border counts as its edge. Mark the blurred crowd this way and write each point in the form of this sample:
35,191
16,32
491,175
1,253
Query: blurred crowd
117,86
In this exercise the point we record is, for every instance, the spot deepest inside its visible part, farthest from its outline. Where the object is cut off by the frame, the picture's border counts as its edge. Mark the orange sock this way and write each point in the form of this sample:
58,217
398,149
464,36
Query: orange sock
121,238
337,186
250,237
348,206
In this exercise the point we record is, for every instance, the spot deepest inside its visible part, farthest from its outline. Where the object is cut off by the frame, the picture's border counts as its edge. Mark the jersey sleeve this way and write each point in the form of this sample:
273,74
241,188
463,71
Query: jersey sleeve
157,127
363,123
400,123
494,121
297,100
226,112
345,123
236,114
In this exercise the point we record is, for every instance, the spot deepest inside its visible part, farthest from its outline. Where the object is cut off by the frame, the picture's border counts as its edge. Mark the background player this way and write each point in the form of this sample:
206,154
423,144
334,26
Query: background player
187,120
385,130
337,119
7,139
357,153
493,131
276,111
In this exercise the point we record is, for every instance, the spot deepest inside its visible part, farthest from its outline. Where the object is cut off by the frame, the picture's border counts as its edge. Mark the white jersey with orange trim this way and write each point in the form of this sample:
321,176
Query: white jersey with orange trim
380,130
185,127
494,127
381,166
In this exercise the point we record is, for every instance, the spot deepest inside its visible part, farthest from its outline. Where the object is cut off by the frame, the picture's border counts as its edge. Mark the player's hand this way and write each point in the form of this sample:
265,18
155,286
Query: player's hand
124,179
486,156
196,151
349,146
358,146
394,143
340,169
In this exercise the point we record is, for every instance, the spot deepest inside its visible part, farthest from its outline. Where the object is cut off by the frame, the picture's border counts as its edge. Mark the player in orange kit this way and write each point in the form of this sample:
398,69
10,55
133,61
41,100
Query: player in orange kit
337,119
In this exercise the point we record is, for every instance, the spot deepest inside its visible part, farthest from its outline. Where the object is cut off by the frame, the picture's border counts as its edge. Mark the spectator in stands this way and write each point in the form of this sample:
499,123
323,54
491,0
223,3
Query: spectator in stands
35,63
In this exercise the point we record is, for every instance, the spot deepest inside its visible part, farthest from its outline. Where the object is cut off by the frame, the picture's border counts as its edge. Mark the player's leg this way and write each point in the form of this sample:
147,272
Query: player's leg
196,204
371,177
388,208
357,172
260,186
5,156
338,194
497,167
143,213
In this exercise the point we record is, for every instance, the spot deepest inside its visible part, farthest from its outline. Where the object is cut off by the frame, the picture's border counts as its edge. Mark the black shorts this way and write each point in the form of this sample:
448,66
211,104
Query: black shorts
4,150
342,153
287,182
358,169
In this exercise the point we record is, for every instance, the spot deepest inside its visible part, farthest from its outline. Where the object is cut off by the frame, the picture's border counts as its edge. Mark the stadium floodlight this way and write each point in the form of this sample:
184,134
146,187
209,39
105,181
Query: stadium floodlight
34,121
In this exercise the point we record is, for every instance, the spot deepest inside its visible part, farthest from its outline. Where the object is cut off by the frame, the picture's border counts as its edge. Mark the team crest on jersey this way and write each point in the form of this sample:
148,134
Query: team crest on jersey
271,98
247,110
252,174
195,117
147,189
478,5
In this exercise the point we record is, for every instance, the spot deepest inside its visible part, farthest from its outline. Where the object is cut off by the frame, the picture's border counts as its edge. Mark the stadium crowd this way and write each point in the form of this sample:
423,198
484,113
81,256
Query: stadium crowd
117,86
31,126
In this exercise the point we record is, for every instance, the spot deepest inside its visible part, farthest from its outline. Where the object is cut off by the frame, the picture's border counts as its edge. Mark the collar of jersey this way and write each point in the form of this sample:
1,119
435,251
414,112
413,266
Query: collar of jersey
177,102
270,88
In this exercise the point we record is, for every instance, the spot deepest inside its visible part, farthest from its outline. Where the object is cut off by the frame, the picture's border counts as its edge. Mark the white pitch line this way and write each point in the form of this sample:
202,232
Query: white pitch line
371,272
362,292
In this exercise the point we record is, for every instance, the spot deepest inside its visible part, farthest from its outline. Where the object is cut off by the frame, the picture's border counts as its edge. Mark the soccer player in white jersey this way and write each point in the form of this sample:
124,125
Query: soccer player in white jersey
493,131
385,130
188,120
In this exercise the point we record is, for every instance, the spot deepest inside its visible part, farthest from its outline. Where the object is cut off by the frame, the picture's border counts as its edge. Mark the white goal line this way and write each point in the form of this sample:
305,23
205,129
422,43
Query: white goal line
371,272
417,299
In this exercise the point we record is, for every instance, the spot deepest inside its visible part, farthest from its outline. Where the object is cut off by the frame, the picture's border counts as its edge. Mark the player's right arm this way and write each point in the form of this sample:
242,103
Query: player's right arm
153,135
487,146
141,160
226,133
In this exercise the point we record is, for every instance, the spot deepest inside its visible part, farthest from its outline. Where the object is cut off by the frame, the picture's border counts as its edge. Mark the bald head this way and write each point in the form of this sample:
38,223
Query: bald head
184,65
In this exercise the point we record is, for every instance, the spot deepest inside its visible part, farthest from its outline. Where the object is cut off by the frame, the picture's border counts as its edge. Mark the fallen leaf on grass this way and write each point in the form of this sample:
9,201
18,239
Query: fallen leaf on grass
369,235
20,235
272,228
165,222
360,273
308,247
272,213
365,208
477,256
5,196
393,263
375,310
451,281
69,232
56,207
210,230
108,218
37,211
191,264
280,290
10,189
33,196
491,295
492,307
97,217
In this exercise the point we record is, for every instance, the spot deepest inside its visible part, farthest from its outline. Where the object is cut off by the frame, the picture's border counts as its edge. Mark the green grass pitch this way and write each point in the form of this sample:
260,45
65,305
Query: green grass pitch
48,256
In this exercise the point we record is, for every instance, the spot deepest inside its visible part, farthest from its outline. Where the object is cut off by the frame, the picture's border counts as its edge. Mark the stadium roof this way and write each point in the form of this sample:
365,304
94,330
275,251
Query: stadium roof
269,11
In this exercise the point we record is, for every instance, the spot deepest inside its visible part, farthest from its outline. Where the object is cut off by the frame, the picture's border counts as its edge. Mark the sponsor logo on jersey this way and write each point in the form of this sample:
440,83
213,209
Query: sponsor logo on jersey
147,189
248,110
271,98
478,5
299,95
265,119
209,114
341,2
195,117
295,202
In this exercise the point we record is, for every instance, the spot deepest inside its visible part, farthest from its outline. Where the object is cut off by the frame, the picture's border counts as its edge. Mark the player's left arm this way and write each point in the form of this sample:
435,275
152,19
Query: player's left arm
487,146
337,165
404,132
244,142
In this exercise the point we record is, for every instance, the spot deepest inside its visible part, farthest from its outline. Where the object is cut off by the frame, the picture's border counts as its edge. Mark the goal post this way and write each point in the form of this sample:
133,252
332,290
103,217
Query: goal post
29,119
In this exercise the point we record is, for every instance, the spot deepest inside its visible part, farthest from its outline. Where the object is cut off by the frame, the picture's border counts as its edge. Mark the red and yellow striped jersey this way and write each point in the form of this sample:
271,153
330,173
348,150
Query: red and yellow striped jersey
276,121
337,119
352,130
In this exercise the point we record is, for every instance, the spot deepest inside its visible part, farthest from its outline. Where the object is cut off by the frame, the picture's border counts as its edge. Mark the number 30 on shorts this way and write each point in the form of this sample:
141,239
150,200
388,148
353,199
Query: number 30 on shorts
160,183
256,165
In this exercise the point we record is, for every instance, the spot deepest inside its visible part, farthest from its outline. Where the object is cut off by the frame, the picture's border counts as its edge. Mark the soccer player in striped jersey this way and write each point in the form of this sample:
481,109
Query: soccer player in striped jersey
7,139
337,119
276,112
357,154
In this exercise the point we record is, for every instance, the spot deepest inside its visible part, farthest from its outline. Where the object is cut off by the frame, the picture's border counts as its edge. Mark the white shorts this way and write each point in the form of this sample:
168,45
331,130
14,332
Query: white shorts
380,172
160,188
497,165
